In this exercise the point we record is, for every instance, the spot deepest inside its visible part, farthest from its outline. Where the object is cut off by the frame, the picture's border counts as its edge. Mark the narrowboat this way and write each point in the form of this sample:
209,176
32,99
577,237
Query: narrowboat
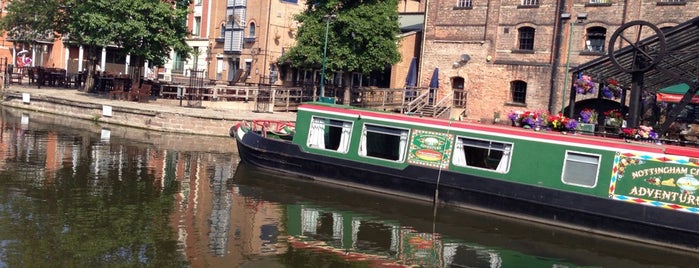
636,190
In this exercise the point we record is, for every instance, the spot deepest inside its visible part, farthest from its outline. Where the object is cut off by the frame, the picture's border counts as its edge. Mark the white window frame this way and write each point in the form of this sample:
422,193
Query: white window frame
464,3
404,136
568,154
459,157
316,134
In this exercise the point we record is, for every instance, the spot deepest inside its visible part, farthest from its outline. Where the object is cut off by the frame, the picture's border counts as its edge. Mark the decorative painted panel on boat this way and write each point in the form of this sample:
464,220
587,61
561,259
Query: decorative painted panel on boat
430,149
666,181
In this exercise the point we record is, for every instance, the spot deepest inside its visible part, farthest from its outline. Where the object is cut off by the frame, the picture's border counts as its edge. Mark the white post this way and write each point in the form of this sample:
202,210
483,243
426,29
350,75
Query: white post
145,69
128,62
80,58
67,58
103,63
34,53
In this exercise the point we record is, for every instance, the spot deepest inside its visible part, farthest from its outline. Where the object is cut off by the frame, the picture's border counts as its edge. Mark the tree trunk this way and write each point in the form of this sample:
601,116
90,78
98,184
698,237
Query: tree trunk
91,61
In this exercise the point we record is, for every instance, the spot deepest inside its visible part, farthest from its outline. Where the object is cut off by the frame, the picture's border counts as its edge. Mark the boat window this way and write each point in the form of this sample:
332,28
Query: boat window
383,142
581,169
329,134
487,154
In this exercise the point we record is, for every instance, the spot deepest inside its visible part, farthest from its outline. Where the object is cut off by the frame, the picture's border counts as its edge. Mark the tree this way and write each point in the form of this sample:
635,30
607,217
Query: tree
362,39
149,29
29,20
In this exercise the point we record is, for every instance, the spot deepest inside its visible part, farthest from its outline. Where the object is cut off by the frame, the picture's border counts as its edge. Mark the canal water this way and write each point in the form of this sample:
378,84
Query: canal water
77,194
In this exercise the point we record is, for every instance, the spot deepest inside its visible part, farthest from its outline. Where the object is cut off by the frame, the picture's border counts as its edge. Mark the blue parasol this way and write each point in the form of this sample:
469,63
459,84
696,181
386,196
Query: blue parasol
411,79
434,82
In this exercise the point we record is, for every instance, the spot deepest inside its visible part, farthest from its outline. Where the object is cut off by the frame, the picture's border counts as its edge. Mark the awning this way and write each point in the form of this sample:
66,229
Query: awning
675,93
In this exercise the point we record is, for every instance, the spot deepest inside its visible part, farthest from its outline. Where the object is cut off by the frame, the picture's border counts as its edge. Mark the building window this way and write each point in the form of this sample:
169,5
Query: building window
197,2
581,169
251,31
600,1
248,68
290,1
383,142
530,2
178,64
196,28
526,38
464,3
595,39
329,134
519,91
485,154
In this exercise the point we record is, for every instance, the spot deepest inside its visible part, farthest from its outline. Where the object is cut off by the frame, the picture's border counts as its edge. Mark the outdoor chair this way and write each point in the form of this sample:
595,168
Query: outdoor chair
133,92
117,91
15,74
32,75
144,92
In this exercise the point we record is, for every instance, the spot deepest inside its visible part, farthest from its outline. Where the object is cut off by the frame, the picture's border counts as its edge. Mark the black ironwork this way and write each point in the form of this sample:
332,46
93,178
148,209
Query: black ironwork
663,59
195,91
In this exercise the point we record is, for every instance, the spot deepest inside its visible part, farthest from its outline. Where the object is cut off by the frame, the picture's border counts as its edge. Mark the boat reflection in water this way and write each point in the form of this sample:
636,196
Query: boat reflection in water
348,225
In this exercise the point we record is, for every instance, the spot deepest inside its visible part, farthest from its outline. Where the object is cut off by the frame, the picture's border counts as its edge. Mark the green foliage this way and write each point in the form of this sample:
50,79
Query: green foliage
28,20
146,28
362,39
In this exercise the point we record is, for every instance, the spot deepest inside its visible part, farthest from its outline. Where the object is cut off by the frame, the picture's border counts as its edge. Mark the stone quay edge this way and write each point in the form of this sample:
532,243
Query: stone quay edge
212,118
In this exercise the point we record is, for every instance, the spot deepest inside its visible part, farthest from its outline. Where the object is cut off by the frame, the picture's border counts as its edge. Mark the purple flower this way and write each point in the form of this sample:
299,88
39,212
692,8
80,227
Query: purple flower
571,124
607,92
653,135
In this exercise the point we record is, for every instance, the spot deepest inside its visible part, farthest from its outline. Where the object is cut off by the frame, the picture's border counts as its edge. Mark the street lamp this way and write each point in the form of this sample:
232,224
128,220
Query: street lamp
580,18
327,19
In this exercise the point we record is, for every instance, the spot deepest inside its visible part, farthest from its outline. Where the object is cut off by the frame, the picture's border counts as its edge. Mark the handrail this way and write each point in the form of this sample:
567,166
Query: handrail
441,104
418,103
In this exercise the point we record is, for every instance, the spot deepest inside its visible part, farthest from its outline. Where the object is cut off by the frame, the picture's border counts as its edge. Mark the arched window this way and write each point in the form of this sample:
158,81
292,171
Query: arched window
251,31
596,38
526,38
518,90
457,84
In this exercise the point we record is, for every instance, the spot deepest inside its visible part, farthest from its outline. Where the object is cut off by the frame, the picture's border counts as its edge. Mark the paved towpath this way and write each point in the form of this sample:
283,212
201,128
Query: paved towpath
230,110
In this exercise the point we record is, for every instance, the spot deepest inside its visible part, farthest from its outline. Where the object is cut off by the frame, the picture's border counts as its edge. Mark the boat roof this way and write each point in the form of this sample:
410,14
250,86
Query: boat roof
611,141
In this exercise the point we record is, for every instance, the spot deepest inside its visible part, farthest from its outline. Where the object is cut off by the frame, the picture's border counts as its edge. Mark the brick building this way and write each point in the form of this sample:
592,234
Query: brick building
237,40
498,56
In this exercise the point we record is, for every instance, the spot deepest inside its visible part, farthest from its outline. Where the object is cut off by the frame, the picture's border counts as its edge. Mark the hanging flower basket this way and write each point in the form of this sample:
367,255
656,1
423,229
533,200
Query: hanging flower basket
612,90
584,85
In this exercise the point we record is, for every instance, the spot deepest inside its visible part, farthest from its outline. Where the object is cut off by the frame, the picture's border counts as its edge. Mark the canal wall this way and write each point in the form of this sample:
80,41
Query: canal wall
162,140
157,116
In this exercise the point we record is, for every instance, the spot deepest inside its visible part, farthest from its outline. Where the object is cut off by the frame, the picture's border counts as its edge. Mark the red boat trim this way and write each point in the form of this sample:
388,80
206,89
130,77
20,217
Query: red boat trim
550,137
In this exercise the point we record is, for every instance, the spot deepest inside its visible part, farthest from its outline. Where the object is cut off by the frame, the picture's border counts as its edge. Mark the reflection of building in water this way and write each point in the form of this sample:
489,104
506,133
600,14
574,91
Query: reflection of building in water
203,204
257,223
220,217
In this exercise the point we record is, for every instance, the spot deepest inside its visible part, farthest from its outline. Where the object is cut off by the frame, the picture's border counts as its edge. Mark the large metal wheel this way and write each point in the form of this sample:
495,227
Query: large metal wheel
644,56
